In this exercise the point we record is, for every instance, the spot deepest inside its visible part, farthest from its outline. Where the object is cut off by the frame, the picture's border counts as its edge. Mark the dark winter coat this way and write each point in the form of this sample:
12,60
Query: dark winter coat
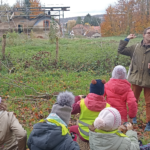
139,71
49,137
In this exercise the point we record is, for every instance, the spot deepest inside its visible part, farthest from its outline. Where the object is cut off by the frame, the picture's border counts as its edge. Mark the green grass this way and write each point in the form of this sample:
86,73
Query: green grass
80,61
74,54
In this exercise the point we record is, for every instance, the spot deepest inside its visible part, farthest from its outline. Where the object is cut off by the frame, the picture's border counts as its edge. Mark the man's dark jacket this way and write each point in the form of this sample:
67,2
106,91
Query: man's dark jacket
49,137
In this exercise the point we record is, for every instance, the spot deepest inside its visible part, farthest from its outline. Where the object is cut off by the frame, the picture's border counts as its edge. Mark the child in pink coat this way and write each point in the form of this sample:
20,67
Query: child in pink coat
118,93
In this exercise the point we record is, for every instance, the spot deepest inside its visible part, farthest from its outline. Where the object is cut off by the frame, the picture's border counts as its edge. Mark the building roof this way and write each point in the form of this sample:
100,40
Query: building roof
86,30
91,33
96,28
28,23
79,26
96,35
87,27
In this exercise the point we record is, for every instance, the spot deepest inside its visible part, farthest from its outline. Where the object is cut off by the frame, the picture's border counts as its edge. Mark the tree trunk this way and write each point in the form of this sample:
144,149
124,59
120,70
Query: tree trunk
57,49
147,10
3,47
128,19
0,65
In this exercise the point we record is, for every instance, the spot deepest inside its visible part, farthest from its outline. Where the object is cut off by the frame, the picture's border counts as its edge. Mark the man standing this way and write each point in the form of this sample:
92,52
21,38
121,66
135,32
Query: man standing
139,76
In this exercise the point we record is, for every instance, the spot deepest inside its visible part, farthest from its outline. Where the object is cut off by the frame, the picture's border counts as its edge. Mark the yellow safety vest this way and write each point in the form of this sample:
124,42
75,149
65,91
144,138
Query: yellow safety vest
87,118
119,133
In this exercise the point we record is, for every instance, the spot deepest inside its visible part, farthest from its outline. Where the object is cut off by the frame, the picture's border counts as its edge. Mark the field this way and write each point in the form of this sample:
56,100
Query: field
30,78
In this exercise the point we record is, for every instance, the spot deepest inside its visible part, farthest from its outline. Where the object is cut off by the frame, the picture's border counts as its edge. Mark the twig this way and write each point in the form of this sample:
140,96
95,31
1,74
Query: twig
28,99
82,66
21,83
7,61
37,96
16,86
4,65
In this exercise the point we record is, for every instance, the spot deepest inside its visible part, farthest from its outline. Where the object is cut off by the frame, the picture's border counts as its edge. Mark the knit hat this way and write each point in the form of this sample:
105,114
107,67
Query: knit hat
109,119
119,72
97,86
63,106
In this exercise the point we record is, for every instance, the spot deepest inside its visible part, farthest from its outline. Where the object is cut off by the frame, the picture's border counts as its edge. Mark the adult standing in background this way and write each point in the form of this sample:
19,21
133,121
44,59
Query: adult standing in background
139,76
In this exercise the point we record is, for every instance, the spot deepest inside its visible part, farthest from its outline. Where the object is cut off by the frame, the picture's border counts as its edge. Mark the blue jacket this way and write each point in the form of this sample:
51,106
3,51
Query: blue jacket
49,137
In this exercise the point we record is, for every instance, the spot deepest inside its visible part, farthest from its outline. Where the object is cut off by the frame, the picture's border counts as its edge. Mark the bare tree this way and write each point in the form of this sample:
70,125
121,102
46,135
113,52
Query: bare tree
54,35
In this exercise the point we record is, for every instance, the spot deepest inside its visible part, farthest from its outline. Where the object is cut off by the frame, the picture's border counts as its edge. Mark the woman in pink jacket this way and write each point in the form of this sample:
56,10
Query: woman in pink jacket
118,93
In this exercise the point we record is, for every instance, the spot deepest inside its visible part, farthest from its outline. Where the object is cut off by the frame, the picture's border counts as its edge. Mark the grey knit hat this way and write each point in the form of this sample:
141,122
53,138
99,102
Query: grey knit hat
63,106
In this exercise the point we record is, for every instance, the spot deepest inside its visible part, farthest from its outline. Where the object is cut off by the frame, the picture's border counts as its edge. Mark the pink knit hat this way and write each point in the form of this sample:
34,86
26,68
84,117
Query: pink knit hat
109,119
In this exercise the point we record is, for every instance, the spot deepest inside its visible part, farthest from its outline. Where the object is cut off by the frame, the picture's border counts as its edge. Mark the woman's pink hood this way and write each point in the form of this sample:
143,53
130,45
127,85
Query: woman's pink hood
118,86
95,102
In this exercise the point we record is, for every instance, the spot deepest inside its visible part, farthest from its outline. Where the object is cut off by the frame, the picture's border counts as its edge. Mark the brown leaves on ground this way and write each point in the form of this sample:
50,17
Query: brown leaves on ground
30,113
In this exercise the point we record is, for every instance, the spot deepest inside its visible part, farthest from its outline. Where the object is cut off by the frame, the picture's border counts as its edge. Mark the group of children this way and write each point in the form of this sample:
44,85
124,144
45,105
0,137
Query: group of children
102,123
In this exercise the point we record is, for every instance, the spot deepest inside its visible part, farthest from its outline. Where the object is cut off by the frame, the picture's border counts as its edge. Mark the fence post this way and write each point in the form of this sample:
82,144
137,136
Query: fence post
3,46
57,49
0,65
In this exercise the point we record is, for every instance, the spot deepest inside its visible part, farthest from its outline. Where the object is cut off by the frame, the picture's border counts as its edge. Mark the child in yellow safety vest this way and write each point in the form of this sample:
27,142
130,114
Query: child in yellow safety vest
106,133
89,109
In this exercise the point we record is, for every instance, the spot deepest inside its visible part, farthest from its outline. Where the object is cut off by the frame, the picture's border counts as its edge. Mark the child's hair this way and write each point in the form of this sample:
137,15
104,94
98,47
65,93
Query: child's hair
3,105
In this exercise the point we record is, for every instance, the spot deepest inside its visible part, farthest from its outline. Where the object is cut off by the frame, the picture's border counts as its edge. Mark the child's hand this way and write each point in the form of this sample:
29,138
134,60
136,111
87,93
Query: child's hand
129,126
122,128
91,128
81,96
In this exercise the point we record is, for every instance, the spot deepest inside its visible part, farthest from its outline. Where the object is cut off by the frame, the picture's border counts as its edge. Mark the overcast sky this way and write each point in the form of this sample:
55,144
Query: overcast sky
77,7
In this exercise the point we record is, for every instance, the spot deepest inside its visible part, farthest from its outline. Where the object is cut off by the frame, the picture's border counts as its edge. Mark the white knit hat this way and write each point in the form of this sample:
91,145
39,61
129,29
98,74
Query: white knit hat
119,72
109,119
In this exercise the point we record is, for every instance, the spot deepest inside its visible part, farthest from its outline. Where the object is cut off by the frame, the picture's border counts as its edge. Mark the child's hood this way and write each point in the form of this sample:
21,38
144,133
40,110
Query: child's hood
44,133
118,86
107,141
5,117
95,102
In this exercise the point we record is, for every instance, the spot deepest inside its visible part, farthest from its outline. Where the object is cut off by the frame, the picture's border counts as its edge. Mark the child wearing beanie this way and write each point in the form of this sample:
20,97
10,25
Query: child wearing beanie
12,134
106,133
52,133
118,93
89,109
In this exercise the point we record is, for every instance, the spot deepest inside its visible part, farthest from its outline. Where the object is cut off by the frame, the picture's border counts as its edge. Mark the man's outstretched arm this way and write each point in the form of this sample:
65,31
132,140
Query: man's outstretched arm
122,49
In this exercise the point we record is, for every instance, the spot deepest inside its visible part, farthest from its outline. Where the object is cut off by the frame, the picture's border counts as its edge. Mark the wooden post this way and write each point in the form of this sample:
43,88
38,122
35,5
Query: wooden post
57,49
0,65
3,47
